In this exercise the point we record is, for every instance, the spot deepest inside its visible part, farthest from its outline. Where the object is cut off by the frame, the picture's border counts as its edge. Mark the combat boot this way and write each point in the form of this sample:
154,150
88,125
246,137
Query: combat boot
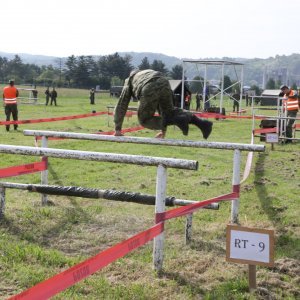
204,125
179,119
182,122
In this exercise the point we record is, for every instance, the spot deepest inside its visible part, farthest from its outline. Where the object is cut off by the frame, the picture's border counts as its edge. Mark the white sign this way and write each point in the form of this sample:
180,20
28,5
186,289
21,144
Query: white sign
251,246
271,137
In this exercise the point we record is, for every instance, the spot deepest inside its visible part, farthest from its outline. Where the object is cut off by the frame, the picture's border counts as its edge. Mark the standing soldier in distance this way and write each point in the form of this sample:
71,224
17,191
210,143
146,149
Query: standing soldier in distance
198,101
35,94
10,94
92,96
47,93
53,97
154,92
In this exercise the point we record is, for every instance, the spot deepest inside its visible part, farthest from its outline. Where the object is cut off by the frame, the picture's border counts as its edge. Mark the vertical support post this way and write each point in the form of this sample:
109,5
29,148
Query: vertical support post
284,123
280,122
241,89
158,247
44,174
182,86
236,185
278,115
253,118
188,228
2,201
252,278
222,89
204,89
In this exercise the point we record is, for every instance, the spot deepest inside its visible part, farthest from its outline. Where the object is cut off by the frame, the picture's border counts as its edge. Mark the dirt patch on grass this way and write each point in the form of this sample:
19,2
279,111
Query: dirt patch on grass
283,281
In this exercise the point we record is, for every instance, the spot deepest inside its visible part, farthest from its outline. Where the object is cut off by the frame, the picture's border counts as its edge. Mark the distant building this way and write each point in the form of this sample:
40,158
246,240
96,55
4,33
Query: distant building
176,86
115,91
271,97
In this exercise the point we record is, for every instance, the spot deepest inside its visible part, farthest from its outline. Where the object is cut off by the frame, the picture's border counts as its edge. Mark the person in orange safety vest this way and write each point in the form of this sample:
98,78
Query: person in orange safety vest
290,104
10,94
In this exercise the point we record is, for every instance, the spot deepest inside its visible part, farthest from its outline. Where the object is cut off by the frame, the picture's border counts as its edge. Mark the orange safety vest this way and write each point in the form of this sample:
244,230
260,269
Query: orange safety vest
10,94
289,102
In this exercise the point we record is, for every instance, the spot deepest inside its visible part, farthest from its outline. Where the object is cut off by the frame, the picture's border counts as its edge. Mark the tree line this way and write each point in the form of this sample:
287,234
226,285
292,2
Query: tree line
88,71
79,72
275,84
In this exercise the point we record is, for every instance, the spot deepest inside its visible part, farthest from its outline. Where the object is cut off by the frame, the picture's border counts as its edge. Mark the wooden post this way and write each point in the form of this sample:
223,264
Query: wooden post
252,278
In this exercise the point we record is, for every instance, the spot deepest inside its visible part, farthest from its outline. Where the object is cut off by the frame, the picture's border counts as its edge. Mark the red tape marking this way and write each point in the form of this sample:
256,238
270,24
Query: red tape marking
220,116
265,130
159,217
53,119
23,169
129,114
185,210
69,277
112,132
236,189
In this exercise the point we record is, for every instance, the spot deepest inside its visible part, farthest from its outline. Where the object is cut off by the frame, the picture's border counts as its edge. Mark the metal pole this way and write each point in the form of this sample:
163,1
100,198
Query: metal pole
204,88
222,88
235,185
253,119
158,247
44,174
182,85
241,90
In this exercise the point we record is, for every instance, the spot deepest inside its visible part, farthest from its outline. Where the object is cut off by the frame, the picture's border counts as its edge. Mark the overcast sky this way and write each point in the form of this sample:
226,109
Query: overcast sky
184,29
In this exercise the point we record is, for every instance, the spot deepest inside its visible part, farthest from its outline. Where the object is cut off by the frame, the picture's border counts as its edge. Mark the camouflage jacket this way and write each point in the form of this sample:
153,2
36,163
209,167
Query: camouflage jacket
132,88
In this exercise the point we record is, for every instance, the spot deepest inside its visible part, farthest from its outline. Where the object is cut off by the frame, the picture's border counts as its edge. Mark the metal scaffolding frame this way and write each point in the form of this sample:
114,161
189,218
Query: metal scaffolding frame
222,64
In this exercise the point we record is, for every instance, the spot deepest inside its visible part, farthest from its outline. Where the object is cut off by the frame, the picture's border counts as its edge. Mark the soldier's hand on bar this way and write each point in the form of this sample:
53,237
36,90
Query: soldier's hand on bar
161,135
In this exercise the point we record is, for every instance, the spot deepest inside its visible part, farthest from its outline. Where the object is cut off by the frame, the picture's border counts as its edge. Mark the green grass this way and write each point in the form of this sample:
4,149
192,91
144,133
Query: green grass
37,242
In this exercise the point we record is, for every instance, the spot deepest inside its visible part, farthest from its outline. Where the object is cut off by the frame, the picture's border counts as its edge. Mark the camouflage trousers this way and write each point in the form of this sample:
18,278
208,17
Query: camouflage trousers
290,123
156,95
11,109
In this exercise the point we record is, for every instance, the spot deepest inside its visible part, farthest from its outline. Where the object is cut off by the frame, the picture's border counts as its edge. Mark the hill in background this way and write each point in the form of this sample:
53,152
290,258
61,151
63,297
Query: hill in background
285,69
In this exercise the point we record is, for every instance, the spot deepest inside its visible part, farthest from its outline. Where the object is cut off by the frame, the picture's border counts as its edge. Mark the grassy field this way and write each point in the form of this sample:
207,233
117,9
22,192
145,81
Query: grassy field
37,242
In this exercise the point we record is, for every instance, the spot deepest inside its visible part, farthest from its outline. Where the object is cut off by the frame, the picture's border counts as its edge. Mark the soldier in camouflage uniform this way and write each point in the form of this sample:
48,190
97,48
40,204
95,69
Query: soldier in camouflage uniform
155,94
